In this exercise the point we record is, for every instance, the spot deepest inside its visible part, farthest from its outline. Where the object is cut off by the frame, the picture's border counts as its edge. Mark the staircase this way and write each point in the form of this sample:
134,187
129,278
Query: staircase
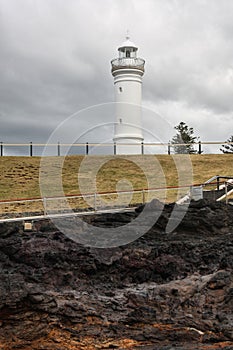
217,188
223,188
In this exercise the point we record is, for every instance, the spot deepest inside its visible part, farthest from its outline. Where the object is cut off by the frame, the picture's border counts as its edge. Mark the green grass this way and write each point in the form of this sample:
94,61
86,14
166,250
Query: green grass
19,177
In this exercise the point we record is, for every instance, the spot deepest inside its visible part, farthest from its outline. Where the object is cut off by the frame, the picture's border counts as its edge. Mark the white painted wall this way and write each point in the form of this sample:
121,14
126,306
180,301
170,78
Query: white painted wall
127,71
128,95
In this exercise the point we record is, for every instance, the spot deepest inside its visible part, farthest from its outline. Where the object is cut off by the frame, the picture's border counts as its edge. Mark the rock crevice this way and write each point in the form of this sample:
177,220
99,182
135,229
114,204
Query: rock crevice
162,291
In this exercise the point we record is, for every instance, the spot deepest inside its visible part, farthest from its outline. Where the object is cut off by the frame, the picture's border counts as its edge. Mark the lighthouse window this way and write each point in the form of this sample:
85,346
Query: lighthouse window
127,53
120,120
120,89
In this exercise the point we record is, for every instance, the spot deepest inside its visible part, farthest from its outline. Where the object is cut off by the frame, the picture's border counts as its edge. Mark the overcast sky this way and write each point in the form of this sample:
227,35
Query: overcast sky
55,61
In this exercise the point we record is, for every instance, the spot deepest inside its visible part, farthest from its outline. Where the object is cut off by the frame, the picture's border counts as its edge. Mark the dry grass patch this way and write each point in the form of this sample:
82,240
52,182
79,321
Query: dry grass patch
19,176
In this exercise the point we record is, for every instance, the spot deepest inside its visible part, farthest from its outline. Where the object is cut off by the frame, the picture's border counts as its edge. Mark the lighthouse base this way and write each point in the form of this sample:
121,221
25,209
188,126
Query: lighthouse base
128,146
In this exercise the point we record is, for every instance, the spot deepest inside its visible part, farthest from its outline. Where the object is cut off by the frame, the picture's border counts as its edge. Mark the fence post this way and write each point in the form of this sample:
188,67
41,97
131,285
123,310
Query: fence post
114,148
226,192
95,202
45,205
169,148
87,148
199,148
217,182
143,197
58,149
1,146
30,147
142,147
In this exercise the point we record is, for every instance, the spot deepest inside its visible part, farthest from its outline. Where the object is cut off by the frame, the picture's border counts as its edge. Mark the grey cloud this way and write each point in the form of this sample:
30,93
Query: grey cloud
55,60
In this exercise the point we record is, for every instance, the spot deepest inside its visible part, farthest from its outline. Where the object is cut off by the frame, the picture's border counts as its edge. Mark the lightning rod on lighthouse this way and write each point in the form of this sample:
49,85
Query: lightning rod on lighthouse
127,71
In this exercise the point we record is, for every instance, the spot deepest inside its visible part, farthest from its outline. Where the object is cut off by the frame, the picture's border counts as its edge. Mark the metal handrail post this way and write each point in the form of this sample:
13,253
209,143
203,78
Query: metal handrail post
226,192
199,148
143,197
30,149
142,147
95,207
45,205
218,178
58,149
169,149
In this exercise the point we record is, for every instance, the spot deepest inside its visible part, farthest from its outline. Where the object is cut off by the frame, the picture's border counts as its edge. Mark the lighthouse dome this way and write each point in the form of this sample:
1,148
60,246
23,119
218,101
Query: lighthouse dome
127,44
128,57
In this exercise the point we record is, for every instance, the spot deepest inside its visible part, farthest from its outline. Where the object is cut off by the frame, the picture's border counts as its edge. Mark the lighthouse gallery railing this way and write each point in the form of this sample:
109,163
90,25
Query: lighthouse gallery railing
137,63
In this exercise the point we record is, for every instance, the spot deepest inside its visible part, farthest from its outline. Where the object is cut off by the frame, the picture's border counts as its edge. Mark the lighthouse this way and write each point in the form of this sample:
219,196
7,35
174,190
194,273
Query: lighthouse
127,71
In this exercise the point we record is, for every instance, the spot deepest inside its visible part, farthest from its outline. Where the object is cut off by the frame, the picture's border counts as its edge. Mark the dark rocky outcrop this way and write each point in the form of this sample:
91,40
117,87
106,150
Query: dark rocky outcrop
162,291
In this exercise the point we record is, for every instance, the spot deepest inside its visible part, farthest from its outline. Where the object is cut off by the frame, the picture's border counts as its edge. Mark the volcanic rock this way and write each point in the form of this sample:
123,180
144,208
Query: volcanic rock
161,291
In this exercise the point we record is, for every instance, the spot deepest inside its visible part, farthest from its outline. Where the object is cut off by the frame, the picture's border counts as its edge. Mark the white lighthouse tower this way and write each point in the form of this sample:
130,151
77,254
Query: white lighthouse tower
127,71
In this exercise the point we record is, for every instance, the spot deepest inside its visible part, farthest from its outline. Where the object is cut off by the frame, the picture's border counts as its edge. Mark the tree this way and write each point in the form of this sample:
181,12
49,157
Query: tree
228,148
185,135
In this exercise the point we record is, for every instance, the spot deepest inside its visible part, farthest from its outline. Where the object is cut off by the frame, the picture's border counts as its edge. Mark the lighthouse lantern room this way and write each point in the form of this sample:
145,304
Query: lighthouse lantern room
127,71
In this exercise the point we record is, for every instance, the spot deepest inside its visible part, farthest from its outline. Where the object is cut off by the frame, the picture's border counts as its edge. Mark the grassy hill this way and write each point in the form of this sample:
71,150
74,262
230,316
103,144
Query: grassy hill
19,177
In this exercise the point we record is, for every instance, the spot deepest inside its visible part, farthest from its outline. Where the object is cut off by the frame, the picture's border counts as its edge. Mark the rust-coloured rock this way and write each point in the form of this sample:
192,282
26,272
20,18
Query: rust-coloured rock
162,291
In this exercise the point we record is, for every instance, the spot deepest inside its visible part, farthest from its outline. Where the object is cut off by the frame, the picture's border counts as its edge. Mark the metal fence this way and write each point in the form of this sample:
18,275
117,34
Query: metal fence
59,149
79,203
90,203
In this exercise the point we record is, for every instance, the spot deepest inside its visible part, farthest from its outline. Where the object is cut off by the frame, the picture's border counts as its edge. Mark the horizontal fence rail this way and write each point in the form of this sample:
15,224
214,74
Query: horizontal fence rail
58,149
99,201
